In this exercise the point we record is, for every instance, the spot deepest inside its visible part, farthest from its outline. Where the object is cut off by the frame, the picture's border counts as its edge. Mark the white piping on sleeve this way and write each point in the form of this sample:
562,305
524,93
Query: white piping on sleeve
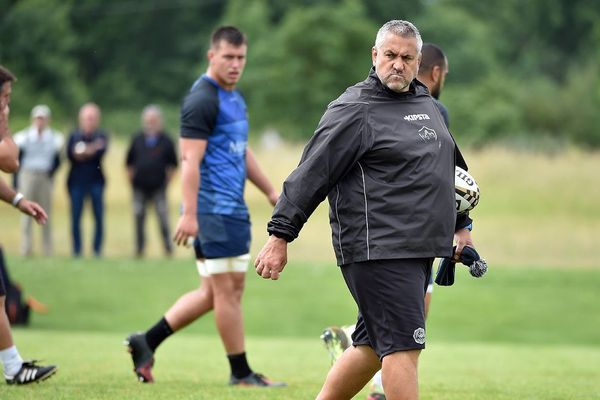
337,216
366,209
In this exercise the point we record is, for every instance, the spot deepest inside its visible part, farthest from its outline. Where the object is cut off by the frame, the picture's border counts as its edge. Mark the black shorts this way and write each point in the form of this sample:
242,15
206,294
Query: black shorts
390,295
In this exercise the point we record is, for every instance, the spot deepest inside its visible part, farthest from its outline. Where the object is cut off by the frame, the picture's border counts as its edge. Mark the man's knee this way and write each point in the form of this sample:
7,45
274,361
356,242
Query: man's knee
229,286
405,359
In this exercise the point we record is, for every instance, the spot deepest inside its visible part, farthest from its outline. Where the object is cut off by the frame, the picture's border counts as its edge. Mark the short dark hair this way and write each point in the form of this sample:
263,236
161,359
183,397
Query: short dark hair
230,34
6,75
431,56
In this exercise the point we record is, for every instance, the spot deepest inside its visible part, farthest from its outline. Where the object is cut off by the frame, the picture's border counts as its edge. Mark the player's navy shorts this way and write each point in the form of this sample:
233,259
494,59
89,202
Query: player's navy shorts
221,236
2,288
390,296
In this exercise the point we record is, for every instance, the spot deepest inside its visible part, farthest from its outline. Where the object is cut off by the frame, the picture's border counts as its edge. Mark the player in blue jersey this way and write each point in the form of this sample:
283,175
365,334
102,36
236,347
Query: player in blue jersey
216,162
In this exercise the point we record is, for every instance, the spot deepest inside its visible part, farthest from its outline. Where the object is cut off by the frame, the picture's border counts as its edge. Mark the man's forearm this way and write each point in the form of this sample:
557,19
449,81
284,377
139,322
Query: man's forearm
256,176
190,182
7,194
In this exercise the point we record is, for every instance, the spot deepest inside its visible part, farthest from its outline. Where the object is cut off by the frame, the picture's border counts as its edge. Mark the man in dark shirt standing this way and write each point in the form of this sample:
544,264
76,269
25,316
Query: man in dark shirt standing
385,159
151,162
85,149
432,73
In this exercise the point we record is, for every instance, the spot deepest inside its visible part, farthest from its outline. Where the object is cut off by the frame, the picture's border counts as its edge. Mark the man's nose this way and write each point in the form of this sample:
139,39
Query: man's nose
399,65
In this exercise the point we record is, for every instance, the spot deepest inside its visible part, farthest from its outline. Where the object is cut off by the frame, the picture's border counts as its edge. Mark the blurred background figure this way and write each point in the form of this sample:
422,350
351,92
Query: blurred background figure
86,148
151,162
40,147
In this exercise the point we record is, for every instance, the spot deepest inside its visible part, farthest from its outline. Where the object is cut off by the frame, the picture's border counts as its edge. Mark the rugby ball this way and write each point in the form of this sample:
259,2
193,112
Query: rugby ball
466,191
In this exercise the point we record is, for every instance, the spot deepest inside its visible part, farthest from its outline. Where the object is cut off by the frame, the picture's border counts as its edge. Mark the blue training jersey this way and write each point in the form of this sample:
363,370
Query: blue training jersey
220,117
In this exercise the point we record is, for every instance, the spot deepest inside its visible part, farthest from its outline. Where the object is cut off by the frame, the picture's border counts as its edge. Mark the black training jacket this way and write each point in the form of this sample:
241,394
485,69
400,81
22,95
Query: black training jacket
385,161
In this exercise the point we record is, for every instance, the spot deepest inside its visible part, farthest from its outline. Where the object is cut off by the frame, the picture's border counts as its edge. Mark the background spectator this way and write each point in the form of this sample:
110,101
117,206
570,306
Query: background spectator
85,149
151,161
39,147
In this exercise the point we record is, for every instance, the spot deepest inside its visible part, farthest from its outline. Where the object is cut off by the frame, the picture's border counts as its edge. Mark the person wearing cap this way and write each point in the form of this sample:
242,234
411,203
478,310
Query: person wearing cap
39,147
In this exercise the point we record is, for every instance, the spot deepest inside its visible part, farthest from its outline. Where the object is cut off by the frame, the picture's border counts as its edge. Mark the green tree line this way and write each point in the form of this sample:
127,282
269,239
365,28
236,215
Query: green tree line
519,71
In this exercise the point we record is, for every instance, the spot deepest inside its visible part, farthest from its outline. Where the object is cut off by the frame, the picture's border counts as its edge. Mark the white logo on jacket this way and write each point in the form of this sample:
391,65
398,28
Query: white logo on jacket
427,134
416,117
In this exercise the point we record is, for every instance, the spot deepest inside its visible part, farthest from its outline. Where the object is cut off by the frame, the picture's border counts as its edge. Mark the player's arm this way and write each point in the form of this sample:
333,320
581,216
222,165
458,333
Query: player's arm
9,151
258,178
197,121
192,153
34,210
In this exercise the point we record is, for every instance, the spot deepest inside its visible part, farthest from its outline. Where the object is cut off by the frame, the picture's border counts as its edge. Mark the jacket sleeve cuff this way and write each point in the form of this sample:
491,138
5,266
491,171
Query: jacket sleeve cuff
462,221
287,220
281,235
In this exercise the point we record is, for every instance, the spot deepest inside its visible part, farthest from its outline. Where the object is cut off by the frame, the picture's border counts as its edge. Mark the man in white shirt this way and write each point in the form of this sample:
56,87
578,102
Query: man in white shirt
40,148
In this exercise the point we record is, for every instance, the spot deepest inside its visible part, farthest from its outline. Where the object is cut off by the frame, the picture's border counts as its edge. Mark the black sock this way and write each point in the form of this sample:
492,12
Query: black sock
158,333
239,365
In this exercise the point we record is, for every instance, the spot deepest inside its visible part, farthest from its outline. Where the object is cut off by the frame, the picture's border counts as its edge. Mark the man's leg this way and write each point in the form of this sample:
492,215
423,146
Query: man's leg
162,211
97,194
191,305
186,309
377,384
399,374
228,289
11,360
17,371
139,212
351,372
76,193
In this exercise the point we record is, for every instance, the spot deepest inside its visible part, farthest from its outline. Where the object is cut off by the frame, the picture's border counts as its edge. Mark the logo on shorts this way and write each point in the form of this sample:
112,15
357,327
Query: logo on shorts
419,335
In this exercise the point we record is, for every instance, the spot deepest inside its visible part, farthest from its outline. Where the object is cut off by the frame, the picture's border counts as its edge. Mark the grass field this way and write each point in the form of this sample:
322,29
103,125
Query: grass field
514,334
528,330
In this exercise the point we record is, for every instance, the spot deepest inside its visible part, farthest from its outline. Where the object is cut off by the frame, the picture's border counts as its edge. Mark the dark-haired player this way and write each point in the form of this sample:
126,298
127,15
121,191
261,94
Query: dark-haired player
215,161
16,370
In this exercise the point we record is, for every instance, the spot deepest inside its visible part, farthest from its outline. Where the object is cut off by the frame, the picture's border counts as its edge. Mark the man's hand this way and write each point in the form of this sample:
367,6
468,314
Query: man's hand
34,210
186,227
272,258
462,238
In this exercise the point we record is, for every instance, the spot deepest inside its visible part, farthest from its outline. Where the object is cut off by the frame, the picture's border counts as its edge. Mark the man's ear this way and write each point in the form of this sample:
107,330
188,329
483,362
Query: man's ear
436,73
374,54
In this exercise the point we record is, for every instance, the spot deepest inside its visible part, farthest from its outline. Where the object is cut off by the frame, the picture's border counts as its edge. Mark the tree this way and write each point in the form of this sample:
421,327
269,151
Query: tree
308,60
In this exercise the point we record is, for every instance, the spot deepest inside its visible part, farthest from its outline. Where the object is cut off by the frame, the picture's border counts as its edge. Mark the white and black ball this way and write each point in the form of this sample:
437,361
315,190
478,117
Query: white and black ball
466,191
